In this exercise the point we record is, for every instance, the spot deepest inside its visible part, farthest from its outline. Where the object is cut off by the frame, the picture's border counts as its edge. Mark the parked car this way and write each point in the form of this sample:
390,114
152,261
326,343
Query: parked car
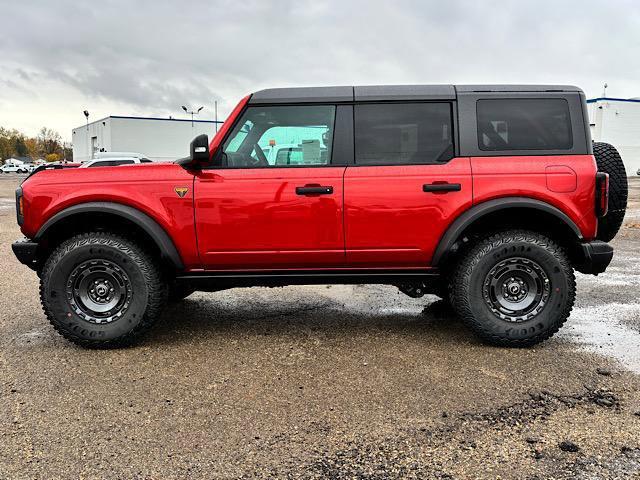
291,153
113,159
14,168
488,196
638,172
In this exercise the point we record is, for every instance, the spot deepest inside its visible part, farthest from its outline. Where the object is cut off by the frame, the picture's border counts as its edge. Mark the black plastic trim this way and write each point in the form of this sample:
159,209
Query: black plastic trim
302,95
216,280
475,213
149,225
597,257
376,93
25,251
441,187
342,150
320,190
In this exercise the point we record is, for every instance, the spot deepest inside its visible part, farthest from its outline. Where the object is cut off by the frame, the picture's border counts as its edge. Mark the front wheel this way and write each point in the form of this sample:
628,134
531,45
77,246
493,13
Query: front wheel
101,290
514,288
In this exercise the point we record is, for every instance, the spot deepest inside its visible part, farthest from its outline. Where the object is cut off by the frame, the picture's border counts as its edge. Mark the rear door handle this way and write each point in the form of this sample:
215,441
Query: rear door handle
441,187
314,190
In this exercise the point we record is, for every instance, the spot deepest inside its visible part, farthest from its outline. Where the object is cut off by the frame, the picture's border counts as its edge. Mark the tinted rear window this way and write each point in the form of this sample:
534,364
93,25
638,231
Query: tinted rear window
524,124
403,133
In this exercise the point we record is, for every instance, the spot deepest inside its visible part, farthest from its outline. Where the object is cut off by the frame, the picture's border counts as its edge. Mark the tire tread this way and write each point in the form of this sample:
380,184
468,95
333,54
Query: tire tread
609,161
459,286
156,286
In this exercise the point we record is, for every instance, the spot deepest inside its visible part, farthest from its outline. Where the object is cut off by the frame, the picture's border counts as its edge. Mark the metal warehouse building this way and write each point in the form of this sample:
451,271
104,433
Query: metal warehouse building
617,121
159,139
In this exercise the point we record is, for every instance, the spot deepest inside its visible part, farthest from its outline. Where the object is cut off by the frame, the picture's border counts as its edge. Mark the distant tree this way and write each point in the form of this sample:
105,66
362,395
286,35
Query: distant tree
32,148
15,144
6,149
6,143
49,140
20,147
52,157
67,152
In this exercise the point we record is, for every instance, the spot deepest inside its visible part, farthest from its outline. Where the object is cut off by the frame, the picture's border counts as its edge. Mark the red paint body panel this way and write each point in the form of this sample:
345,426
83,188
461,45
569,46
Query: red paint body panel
147,187
523,176
561,179
227,125
253,218
390,221
377,217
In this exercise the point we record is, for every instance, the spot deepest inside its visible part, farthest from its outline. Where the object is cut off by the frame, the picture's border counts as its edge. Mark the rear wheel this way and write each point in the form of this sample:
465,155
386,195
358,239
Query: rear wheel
514,289
101,290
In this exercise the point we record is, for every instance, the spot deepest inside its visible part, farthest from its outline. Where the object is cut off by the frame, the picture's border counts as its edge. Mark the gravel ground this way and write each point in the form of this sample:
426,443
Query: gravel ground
322,382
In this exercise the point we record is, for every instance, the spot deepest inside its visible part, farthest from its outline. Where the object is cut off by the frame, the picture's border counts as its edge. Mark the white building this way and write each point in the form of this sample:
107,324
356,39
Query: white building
617,121
159,139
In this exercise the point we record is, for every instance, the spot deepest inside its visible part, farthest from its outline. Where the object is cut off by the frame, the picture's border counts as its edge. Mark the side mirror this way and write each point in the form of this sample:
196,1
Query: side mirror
199,151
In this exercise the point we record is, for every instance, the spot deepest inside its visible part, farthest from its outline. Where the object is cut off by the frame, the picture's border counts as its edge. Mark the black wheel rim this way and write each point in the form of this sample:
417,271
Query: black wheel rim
99,291
516,289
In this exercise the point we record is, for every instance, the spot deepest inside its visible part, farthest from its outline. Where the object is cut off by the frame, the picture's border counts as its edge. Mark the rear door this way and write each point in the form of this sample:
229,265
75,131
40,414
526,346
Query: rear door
284,211
406,186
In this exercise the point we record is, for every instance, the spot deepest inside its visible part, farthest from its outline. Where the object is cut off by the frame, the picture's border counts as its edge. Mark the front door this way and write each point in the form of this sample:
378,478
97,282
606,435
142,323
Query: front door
405,187
275,201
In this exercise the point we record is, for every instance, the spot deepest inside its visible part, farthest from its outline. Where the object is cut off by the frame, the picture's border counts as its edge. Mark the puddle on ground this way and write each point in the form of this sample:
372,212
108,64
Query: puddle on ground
600,329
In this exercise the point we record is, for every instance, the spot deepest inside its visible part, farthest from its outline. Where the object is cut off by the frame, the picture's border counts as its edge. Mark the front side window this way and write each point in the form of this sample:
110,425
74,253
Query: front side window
281,136
403,133
524,124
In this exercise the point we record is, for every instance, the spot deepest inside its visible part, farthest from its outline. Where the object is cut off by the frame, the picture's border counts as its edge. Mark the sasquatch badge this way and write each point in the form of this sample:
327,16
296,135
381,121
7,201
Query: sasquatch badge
181,191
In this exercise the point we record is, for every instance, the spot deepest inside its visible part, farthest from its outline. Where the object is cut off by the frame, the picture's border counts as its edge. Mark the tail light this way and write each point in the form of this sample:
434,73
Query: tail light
19,206
602,194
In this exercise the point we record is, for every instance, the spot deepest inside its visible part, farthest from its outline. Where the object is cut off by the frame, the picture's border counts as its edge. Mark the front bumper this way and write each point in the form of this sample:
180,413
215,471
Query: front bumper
25,251
597,256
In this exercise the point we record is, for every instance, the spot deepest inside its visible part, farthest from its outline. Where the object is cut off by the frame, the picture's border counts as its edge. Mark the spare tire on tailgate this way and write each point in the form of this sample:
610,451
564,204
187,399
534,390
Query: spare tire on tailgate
609,161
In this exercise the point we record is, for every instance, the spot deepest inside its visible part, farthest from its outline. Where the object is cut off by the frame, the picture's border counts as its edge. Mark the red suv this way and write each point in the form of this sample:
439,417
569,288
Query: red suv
488,196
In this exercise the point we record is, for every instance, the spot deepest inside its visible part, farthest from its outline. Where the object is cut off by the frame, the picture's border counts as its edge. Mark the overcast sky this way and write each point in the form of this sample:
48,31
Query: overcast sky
148,58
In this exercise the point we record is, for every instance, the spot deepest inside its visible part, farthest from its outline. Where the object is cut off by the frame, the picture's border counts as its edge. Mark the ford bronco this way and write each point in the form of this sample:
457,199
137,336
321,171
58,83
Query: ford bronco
487,196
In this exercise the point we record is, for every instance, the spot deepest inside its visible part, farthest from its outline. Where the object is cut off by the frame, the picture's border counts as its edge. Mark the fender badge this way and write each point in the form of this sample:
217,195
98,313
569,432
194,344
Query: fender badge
181,191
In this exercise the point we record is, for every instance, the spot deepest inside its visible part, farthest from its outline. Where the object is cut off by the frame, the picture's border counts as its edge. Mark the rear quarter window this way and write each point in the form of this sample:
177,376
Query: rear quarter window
524,124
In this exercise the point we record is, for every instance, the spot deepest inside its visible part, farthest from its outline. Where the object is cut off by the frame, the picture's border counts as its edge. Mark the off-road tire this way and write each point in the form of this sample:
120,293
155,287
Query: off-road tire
147,286
609,161
467,282
179,292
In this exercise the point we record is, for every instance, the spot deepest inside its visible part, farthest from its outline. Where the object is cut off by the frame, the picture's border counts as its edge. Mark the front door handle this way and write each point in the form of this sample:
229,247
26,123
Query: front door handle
314,190
441,187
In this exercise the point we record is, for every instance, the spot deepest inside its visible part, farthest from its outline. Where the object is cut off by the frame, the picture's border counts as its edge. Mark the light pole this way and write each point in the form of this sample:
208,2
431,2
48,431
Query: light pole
86,115
192,112
215,104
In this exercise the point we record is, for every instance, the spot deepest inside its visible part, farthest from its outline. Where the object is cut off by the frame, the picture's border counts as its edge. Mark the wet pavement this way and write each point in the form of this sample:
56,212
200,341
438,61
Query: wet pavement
323,382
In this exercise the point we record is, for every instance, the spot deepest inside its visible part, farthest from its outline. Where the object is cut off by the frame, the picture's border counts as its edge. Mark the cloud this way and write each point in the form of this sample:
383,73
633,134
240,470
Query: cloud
150,57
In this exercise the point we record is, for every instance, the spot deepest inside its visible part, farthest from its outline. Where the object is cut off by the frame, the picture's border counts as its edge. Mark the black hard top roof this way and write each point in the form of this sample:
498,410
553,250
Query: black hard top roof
390,92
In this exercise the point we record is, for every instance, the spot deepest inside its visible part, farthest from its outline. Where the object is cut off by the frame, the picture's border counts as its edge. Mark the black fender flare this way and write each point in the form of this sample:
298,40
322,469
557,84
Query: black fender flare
161,238
460,224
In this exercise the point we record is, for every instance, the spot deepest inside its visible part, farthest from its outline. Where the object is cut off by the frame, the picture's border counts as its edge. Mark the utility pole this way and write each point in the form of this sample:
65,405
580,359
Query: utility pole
215,105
